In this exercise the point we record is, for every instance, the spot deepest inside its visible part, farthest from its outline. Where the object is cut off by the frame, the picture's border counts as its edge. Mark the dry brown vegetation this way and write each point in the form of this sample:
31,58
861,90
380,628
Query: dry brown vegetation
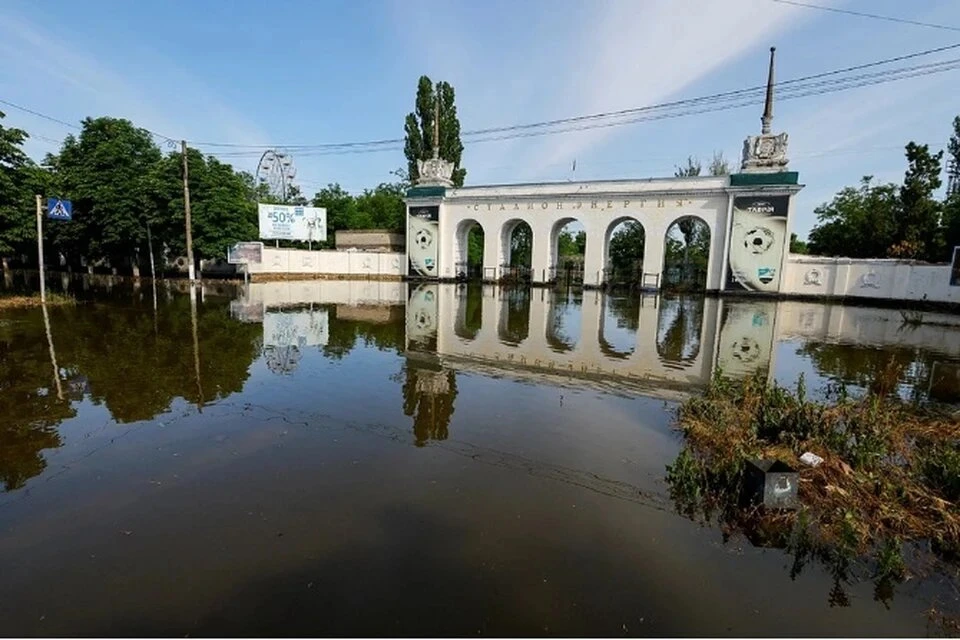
890,475
26,302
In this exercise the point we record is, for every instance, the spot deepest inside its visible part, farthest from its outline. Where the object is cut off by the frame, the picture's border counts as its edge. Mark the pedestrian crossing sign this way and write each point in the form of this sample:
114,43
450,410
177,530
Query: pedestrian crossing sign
58,209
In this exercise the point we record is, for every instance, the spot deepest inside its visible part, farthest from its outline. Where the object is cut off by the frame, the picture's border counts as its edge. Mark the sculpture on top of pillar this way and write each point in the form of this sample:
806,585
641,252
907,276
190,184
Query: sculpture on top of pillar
435,171
767,152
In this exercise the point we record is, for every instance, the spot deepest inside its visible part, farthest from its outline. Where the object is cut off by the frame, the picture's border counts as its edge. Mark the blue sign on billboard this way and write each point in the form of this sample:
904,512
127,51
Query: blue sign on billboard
58,209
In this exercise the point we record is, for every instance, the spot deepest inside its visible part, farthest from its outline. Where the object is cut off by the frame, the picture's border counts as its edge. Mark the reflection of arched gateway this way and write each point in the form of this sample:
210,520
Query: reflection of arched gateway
752,204
680,330
469,311
429,392
514,326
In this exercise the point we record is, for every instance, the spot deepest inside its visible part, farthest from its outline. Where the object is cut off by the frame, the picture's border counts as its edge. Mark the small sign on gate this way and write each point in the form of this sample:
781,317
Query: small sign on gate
245,253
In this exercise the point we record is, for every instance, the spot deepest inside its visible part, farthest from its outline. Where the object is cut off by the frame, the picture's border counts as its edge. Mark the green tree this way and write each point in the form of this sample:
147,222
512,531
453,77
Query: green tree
569,244
797,245
521,245
20,180
341,209
719,165
222,203
626,247
418,129
107,173
951,206
383,207
692,168
858,223
918,233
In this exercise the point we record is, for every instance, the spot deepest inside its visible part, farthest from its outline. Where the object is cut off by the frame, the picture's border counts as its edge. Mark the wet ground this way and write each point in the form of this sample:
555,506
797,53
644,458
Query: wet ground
351,458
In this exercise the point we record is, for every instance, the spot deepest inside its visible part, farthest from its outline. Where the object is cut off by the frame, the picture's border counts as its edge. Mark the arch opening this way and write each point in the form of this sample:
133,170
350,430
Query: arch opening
516,242
469,250
624,245
568,246
686,254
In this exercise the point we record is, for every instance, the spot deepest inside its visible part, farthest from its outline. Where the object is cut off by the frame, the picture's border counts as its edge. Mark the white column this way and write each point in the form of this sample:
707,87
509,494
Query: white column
654,244
593,265
491,252
540,254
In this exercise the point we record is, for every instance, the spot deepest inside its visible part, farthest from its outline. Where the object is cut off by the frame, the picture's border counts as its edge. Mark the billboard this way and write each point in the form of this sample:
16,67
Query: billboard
292,222
757,239
423,238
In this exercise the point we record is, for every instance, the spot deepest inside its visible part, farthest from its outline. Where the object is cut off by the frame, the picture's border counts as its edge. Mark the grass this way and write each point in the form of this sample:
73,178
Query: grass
27,302
889,486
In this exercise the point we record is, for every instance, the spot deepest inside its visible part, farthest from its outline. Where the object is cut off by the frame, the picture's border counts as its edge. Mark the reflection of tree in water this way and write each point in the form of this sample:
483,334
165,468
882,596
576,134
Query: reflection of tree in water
29,408
515,318
429,392
561,306
864,367
343,334
282,359
679,329
469,311
626,313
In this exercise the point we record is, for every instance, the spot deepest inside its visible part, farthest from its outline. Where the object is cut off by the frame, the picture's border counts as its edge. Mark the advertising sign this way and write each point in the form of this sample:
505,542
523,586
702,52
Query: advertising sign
245,253
290,222
757,239
423,225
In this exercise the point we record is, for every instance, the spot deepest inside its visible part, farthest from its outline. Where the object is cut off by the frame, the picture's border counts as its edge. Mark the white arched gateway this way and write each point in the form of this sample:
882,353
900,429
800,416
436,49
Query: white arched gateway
747,214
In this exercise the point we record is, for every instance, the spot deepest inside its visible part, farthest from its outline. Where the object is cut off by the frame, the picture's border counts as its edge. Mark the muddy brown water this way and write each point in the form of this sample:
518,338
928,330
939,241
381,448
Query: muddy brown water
363,458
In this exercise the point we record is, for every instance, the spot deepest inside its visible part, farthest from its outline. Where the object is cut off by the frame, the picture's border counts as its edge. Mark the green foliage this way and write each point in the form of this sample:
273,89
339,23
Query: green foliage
419,129
569,245
858,222
19,180
475,241
626,247
379,208
891,221
918,230
692,168
718,166
797,245
687,253
521,245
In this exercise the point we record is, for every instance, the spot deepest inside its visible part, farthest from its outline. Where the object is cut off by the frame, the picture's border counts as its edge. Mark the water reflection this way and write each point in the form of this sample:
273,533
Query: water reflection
330,407
136,354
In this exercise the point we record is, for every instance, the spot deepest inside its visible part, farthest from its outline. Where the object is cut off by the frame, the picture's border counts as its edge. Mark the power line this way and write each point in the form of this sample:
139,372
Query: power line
729,95
40,115
875,16
695,106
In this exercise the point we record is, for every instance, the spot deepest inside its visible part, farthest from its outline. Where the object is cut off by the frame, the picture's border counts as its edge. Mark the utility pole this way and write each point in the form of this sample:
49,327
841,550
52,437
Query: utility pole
43,286
186,210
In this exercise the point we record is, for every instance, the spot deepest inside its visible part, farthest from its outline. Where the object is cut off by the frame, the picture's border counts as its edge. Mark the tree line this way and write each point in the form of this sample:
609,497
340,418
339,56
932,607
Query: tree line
906,220
127,196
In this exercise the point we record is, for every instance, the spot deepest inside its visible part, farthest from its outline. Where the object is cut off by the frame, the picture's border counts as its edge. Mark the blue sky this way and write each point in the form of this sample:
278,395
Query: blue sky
287,72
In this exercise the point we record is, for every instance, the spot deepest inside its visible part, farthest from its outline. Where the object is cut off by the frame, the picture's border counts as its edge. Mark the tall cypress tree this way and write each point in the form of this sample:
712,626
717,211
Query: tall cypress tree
418,129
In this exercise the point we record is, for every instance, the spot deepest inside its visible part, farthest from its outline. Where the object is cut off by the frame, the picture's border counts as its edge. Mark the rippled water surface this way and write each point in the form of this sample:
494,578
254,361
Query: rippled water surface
376,458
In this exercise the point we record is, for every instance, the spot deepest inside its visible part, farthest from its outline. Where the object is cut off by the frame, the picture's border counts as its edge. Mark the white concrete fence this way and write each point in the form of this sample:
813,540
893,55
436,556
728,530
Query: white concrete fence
359,264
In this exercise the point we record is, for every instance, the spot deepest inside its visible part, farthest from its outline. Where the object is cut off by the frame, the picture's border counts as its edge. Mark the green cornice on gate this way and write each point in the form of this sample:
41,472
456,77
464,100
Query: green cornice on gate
764,179
426,192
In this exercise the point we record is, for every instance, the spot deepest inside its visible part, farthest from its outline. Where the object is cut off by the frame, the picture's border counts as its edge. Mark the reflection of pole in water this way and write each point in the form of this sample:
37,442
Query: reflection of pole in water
53,354
196,344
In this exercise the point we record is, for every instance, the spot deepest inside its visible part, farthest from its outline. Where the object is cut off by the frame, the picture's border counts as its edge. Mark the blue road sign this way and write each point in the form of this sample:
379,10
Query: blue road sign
58,209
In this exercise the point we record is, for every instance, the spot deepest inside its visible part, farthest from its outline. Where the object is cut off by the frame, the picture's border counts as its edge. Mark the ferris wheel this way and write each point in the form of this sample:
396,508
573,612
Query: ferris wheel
277,171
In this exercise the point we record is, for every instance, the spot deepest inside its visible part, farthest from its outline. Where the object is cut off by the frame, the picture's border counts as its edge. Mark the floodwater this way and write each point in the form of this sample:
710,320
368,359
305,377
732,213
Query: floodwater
364,458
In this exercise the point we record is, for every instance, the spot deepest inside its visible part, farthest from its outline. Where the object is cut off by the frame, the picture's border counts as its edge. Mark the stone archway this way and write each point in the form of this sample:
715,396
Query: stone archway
467,266
624,247
686,254
566,252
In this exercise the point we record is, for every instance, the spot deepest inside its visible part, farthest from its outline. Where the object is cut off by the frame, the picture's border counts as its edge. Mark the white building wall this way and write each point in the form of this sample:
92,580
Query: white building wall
877,279
365,264
597,206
